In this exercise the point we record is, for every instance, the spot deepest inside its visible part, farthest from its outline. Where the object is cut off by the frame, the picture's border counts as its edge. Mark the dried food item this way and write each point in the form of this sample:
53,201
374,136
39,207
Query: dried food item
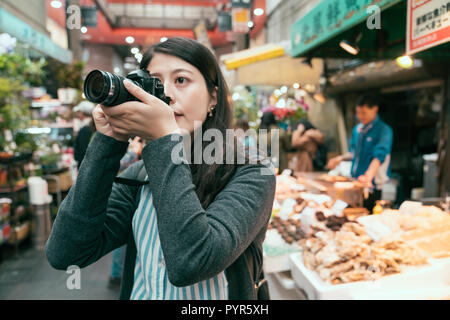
320,216
354,213
351,255
289,239
330,178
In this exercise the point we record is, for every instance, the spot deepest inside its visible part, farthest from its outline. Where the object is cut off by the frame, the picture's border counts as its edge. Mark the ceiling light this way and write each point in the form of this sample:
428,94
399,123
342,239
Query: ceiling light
56,4
163,39
258,12
405,62
84,29
296,85
129,39
116,70
351,46
138,57
283,89
250,24
134,50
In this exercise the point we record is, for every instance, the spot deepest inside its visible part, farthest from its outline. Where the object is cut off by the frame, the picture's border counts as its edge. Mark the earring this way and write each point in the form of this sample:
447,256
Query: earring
211,111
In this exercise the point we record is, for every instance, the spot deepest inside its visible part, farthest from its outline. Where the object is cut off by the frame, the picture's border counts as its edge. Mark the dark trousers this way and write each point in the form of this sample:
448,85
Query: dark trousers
371,201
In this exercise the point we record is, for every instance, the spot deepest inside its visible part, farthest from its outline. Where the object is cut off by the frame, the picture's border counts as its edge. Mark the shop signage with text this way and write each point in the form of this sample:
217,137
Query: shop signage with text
428,24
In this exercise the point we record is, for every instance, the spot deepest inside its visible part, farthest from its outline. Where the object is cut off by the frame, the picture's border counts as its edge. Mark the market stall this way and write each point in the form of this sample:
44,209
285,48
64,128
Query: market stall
327,249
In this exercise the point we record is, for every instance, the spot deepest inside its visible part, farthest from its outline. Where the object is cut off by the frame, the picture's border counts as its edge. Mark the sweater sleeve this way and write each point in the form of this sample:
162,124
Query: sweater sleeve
198,244
95,217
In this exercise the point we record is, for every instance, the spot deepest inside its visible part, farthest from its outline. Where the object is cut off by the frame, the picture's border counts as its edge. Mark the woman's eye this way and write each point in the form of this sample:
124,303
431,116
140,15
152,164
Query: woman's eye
181,80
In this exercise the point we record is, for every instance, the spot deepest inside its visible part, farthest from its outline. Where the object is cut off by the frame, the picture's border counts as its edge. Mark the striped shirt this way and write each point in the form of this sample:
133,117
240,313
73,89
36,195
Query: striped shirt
150,274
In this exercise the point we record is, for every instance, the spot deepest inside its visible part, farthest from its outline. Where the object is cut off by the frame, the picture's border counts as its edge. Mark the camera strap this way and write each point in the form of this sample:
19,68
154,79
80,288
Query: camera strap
130,182
140,181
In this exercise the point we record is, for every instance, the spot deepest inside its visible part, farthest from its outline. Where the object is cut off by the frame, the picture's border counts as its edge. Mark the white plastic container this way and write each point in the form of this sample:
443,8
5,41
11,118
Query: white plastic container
38,190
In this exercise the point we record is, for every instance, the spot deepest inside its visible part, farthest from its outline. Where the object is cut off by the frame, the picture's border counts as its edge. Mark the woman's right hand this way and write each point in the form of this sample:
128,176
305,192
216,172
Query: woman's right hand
102,125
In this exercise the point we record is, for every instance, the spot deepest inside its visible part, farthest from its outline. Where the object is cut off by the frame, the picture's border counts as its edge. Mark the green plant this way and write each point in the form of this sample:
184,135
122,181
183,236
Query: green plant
21,69
70,76
17,73
50,159
244,104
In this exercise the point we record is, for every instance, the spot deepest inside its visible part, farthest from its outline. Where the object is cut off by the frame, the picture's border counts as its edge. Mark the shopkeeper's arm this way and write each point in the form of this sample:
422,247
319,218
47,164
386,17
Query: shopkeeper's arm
371,172
380,151
95,217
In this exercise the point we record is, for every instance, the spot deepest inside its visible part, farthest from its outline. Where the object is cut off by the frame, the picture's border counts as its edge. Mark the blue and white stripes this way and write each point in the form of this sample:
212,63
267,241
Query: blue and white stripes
150,274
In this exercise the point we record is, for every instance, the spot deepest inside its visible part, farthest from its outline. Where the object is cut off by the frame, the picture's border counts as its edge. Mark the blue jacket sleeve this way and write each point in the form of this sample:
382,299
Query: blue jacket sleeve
384,144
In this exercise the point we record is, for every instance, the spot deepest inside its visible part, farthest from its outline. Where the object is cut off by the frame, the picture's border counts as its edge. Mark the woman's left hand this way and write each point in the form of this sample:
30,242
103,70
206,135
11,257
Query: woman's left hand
150,118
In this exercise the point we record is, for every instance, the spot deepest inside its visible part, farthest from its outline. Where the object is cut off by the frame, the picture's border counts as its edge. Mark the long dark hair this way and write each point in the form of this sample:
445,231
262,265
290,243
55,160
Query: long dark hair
209,179
267,120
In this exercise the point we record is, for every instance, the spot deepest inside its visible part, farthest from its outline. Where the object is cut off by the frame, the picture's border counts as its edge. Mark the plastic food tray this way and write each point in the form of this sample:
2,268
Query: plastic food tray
275,264
435,275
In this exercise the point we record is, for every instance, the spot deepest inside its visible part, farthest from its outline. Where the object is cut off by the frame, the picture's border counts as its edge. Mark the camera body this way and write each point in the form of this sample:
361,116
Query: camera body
108,89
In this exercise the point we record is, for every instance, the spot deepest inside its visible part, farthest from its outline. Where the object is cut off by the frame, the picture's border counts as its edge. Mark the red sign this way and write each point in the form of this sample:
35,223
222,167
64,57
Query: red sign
428,24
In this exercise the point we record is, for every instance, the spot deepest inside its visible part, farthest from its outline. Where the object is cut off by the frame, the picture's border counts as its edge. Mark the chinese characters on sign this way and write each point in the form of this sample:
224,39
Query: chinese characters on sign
428,24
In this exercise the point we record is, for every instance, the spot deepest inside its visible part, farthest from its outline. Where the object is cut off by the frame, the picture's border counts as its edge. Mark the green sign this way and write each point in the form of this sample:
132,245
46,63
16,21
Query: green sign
39,41
329,18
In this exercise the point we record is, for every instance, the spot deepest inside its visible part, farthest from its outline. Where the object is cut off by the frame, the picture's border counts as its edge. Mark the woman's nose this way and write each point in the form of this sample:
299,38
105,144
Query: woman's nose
169,92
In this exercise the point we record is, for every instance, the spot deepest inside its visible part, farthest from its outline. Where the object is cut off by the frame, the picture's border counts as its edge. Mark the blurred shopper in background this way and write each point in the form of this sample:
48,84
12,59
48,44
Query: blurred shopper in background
269,123
82,139
307,140
370,148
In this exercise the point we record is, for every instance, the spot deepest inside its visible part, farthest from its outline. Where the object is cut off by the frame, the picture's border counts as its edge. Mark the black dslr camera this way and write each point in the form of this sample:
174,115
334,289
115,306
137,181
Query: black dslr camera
108,90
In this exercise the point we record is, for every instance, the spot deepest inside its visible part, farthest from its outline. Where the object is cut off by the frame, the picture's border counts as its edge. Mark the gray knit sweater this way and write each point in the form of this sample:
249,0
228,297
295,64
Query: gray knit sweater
95,218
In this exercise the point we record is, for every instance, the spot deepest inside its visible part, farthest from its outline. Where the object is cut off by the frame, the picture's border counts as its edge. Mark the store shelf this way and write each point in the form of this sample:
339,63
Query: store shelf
17,158
13,189
45,104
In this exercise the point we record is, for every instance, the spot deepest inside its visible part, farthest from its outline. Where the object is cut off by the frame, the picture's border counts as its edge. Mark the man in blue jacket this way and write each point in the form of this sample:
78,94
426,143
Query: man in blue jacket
370,148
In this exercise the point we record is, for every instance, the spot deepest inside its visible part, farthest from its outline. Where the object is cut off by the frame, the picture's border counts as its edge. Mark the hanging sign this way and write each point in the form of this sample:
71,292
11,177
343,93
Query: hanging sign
428,24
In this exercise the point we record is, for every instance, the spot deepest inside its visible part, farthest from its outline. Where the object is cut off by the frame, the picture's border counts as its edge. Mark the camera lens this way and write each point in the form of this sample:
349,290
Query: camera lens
108,90
98,85
105,88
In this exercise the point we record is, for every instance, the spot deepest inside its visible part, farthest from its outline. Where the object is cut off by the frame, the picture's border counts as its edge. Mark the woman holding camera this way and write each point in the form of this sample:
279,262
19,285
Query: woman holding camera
195,231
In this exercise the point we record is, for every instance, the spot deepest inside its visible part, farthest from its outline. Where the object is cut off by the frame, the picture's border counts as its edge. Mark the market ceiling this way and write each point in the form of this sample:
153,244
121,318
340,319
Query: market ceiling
147,21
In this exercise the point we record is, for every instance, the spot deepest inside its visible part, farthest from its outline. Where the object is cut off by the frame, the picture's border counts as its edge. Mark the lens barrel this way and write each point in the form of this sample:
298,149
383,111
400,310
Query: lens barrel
105,88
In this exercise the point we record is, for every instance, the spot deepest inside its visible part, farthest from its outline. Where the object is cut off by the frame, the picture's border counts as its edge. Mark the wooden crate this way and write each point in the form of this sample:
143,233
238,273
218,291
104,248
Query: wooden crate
65,182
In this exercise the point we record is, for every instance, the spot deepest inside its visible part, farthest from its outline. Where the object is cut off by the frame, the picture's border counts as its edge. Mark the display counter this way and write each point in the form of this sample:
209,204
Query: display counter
332,251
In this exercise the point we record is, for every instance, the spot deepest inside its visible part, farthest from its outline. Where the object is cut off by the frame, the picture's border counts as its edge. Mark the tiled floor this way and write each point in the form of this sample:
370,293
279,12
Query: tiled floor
28,275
